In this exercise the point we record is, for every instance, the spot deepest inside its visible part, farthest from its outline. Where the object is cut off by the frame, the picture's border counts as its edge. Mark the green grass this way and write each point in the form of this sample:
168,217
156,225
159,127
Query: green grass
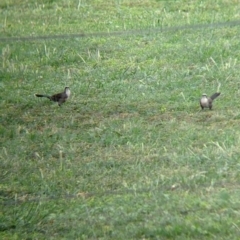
130,155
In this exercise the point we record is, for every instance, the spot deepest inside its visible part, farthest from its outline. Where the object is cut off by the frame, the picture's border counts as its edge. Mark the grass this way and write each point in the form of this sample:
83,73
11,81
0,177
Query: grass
130,155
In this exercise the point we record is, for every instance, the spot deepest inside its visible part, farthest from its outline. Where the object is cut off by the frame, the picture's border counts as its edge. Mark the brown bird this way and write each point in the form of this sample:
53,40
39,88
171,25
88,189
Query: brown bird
58,97
206,102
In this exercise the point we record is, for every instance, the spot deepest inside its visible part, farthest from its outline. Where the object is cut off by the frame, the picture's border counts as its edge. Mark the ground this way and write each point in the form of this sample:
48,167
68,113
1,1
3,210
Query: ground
130,155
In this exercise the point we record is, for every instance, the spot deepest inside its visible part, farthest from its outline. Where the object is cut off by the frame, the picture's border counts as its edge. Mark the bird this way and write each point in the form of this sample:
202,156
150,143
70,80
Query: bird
58,97
206,102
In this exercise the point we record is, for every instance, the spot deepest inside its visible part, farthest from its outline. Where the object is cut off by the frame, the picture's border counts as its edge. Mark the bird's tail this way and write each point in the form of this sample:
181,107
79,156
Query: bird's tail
42,95
215,95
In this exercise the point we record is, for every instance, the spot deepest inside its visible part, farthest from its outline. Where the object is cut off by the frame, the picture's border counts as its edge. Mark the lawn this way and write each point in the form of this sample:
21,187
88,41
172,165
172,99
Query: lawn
130,155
